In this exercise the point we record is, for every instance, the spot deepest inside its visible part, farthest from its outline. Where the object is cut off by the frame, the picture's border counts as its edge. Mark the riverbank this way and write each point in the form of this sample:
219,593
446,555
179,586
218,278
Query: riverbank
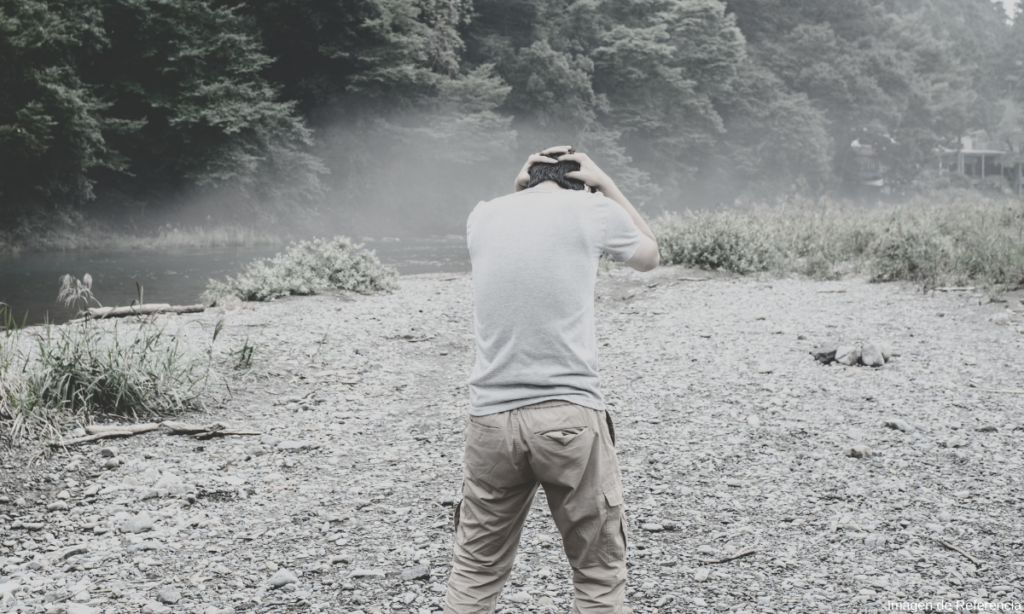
83,235
730,437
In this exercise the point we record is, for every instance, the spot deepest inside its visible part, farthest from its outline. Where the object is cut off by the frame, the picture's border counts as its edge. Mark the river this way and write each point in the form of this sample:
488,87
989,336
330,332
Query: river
29,282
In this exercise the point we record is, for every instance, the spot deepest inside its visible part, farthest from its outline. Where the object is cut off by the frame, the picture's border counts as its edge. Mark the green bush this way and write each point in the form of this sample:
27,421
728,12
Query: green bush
308,267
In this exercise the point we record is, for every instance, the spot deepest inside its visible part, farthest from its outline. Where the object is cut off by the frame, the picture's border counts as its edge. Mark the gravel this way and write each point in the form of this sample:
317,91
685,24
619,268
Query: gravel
837,488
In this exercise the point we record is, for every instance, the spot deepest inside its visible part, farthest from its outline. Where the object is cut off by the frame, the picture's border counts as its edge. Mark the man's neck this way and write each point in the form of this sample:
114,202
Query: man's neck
551,185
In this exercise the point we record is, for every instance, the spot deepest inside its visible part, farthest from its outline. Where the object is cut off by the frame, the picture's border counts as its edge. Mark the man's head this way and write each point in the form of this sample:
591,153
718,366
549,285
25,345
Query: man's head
543,171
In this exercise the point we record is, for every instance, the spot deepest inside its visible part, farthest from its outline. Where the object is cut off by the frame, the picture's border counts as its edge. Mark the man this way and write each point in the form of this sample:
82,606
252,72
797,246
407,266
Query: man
536,412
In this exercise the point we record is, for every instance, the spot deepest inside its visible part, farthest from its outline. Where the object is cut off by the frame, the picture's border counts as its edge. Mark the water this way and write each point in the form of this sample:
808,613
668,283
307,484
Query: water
29,283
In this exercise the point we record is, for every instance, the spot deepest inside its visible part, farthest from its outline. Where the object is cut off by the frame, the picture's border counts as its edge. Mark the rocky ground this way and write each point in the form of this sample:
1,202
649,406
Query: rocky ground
731,437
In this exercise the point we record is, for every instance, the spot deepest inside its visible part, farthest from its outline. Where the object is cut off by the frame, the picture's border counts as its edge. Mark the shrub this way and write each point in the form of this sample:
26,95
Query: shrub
308,267
953,236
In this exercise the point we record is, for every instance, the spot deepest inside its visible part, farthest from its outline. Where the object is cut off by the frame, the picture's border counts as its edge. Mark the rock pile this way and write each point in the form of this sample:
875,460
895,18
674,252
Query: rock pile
870,354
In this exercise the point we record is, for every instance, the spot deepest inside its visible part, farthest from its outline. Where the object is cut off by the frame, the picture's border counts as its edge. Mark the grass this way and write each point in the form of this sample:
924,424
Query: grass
53,378
308,267
80,234
957,239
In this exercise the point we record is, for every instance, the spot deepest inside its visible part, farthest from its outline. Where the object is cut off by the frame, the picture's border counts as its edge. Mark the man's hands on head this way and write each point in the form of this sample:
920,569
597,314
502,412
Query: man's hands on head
523,179
589,173
647,255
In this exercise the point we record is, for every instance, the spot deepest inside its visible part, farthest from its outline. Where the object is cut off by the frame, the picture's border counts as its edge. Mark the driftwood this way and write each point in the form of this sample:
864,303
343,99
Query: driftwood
693,278
731,557
955,549
94,437
143,310
206,431
135,429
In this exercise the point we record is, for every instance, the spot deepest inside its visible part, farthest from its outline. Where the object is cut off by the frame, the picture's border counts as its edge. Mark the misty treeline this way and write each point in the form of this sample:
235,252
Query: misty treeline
405,112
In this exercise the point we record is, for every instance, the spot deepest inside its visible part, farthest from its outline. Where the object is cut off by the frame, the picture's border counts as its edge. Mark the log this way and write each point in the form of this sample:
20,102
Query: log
143,310
87,438
95,429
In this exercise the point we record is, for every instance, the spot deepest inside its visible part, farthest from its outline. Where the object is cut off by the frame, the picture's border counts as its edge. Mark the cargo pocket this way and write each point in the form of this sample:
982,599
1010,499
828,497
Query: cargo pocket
615,524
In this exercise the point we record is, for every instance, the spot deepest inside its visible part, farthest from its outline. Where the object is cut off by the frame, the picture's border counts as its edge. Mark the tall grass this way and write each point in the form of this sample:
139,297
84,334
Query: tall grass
308,267
53,378
85,235
964,238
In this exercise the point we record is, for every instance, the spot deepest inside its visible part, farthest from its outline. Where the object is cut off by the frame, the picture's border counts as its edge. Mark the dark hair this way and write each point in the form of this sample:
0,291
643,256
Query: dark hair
545,171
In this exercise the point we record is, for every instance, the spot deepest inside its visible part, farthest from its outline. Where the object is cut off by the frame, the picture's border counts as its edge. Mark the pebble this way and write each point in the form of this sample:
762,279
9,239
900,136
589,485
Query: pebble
139,524
848,355
753,421
899,425
859,451
825,353
81,608
366,573
871,356
520,597
701,574
168,595
416,572
652,527
282,577
57,506
155,607
109,451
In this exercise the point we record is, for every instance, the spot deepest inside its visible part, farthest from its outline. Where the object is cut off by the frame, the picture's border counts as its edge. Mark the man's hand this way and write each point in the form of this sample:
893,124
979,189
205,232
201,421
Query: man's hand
523,179
589,173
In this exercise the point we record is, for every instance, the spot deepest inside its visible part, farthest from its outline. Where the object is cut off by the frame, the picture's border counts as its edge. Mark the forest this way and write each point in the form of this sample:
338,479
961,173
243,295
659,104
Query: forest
402,114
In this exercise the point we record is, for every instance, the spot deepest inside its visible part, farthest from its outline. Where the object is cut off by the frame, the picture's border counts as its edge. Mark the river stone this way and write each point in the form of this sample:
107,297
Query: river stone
81,608
871,356
826,352
168,595
848,355
282,577
138,524
859,451
155,607
417,572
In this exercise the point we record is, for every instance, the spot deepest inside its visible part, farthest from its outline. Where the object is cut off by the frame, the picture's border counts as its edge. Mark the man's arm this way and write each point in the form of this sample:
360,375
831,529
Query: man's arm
647,256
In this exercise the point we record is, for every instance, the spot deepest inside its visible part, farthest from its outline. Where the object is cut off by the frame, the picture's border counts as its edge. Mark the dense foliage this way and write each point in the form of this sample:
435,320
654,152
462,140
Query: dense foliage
408,111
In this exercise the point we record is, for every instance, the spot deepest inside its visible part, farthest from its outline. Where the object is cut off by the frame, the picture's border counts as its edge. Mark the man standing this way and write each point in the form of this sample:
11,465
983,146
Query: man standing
536,412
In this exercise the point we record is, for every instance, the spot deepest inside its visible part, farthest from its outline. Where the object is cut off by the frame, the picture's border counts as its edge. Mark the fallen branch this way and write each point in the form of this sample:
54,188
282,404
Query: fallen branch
839,291
135,429
955,549
955,289
207,431
87,438
142,310
738,555
693,278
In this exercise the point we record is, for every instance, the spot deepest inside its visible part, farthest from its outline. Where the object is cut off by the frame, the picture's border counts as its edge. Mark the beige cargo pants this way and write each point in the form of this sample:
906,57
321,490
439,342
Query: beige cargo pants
570,451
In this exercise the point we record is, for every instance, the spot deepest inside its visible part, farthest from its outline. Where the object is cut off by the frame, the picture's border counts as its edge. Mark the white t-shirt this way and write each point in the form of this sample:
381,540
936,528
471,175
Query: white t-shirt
535,256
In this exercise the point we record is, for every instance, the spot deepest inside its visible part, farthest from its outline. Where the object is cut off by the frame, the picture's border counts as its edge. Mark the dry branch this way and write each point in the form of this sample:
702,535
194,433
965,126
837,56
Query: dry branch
135,429
955,549
998,390
731,557
693,278
207,431
103,435
151,308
